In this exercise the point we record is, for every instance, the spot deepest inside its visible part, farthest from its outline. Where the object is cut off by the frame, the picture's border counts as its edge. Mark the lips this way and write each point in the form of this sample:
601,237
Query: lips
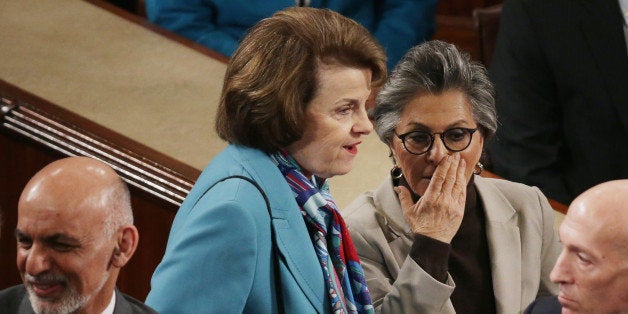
566,302
353,148
46,290
46,286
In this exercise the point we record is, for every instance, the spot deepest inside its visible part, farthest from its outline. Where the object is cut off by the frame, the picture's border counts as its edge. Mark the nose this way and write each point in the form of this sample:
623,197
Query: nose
438,151
362,124
35,260
560,272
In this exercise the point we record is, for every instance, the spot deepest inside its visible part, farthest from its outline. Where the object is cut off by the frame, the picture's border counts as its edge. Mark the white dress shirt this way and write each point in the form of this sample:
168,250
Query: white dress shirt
112,304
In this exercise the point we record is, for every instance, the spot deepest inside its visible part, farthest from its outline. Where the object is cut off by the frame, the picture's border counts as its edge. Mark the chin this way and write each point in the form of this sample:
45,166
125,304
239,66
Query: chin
336,172
332,174
69,302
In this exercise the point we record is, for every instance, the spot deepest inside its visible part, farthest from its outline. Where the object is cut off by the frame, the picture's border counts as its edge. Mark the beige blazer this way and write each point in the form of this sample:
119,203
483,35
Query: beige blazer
523,247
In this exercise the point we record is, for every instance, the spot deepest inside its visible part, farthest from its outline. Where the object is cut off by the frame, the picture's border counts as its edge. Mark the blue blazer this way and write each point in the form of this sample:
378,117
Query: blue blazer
219,255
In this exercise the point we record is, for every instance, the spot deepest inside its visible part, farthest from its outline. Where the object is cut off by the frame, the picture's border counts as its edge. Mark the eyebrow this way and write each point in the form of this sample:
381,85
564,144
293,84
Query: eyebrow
19,234
418,125
347,100
55,237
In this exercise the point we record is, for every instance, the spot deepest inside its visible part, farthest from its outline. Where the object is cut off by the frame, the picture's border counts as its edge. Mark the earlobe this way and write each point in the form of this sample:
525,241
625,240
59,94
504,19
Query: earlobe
126,245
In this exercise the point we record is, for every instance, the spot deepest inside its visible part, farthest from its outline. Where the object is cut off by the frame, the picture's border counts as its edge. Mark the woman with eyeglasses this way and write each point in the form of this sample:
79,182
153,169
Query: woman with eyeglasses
435,237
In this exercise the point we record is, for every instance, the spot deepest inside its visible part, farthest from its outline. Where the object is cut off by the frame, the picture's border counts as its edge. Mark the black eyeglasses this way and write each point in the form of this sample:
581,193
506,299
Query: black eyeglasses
420,142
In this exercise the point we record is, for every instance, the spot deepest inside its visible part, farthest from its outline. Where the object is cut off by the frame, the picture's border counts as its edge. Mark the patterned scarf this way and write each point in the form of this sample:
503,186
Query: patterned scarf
344,278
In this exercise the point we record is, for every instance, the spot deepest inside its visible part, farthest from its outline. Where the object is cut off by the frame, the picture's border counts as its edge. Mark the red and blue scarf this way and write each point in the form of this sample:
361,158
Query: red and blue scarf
344,277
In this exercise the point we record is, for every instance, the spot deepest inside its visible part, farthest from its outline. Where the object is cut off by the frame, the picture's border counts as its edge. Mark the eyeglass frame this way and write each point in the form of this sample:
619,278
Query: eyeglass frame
403,136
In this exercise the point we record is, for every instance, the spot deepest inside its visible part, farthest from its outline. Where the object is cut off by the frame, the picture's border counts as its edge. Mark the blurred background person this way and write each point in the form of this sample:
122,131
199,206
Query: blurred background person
221,24
560,70
435,237
592,270
74,233
259,232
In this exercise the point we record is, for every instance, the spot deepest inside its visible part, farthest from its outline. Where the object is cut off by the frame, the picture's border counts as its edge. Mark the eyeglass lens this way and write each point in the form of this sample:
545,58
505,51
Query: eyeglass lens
456,139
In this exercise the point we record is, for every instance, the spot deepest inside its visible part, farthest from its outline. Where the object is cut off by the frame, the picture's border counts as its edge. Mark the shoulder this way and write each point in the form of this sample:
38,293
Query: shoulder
361,219
234,176
128,304
362,212
512,192
502,199
374,218
360,209
547,305
11,298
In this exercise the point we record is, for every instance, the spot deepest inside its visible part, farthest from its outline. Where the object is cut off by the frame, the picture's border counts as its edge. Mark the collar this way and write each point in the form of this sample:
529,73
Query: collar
112,304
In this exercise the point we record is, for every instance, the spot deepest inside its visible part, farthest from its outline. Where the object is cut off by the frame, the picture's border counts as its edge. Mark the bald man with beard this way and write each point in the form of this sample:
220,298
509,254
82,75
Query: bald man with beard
592,270
74,233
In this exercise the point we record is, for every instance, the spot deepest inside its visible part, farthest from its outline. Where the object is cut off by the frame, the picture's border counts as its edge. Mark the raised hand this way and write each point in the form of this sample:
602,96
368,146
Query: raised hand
439,212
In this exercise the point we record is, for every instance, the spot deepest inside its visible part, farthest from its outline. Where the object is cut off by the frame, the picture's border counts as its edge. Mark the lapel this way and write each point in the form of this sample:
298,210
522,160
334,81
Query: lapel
122,306
504,243
602,28
390,215
293,239
25,305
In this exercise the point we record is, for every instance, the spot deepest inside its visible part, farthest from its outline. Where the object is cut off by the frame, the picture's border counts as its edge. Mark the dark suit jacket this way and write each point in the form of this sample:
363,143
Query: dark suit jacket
548,305
560,69
15,300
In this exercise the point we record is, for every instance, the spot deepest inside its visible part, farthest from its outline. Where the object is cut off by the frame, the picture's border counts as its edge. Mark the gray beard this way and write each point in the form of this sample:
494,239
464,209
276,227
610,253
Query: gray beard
70,302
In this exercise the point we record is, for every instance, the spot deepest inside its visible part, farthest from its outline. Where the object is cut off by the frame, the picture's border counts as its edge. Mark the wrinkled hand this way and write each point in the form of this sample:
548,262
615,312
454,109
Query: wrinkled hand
438,213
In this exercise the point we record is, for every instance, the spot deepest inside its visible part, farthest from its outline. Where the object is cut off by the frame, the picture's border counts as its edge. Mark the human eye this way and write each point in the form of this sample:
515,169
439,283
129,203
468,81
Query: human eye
23,241
418,137
345,110
61,243
61,247
584,259
456,135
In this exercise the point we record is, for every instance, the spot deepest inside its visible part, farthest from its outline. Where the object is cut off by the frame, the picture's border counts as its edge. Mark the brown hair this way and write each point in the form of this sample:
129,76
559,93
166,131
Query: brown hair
271,78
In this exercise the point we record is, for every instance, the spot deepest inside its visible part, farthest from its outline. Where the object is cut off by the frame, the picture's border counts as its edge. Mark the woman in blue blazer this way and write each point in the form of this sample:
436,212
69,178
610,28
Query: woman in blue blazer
259,232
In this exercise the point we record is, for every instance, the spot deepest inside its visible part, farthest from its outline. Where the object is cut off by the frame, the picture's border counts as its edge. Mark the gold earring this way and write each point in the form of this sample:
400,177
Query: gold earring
479,167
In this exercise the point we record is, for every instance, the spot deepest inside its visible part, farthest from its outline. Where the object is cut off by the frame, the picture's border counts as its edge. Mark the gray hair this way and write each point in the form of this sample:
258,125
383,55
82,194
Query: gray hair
434,67
121,210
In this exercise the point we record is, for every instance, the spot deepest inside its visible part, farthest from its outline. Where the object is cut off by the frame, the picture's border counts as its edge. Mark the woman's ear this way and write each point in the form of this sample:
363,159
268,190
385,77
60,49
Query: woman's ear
127,241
